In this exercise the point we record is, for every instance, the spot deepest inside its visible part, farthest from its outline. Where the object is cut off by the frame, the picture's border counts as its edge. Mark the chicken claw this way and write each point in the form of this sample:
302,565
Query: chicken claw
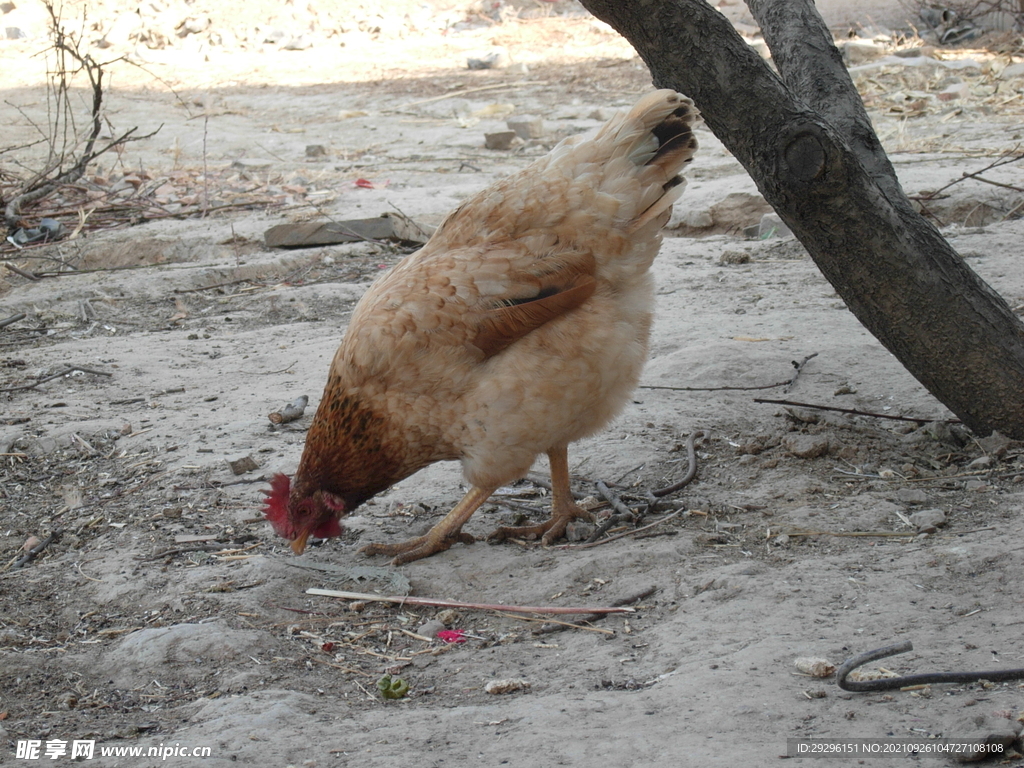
440,537
549,531
418,548
563,509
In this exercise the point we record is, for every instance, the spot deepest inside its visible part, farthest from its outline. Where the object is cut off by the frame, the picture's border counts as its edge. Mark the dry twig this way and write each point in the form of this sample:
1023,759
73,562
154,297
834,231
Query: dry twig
853,411
57,375
12,319
550,609
70,153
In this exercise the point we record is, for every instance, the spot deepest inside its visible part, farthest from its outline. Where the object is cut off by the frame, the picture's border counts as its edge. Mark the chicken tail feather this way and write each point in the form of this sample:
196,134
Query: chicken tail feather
666,120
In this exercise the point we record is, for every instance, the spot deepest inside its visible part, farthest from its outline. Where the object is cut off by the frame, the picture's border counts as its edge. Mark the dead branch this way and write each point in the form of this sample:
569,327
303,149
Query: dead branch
551,627
57,375
33,553
12,319
290,412
852,411
714,389
23,272
1013,156
55,174
625,514
552,609
799,367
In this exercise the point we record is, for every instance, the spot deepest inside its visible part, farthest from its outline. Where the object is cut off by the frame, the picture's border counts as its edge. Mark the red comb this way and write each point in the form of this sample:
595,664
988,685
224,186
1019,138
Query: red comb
276,509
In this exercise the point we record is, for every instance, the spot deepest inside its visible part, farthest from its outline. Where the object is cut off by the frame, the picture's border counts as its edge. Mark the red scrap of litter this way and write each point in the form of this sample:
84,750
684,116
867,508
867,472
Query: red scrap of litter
451,636
327,647
364,183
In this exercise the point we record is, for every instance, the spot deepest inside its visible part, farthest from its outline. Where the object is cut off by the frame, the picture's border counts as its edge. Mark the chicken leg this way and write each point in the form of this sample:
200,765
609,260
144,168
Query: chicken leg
440,537
563,508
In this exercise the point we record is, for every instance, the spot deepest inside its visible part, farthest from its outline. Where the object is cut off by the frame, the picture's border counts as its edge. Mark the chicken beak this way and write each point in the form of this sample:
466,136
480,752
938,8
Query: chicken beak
299,545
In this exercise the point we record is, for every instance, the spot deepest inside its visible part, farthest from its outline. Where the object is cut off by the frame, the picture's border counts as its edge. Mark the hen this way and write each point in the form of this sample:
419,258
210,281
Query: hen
520,327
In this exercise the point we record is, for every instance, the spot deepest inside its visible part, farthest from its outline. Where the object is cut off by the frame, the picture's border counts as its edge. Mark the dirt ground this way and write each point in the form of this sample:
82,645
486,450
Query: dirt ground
168,614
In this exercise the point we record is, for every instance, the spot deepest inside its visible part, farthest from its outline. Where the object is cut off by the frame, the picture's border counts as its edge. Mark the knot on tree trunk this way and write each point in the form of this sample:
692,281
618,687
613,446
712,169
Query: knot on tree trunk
804,156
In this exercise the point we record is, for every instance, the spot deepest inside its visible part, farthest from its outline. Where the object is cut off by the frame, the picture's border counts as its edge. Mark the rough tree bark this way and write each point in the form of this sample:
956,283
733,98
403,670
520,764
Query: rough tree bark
808,143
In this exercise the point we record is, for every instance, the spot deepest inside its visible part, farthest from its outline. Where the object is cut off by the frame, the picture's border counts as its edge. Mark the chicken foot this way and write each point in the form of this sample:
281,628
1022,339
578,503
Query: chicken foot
440,537
563,508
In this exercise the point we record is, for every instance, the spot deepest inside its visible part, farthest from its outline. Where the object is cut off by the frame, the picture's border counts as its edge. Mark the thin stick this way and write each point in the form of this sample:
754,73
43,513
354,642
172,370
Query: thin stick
560,624
713,389
635,531
12,319
852,411
454,94
549,609
23,272
33,553
852,534
1009,157
799,367
547,630
69,369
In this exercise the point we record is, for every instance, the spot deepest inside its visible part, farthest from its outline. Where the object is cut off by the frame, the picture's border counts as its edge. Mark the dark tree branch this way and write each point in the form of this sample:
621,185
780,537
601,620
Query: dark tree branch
806,141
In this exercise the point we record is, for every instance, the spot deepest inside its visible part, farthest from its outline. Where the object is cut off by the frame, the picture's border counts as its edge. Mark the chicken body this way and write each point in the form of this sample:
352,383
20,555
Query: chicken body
519,328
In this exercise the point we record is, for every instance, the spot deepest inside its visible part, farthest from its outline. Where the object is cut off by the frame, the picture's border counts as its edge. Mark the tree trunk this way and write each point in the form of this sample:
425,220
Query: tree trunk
807,142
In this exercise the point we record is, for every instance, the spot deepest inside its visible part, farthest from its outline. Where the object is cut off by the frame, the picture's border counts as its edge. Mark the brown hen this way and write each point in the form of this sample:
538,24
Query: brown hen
520,327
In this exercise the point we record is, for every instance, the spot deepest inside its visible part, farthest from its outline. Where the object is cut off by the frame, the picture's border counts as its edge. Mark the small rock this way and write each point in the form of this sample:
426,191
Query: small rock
430,628
806,446
578,530
928,518
782,540
912,496
448,616
251,164
982,462
995,444
499,687
696,218
243,465
803,415
316,150
738,210
526,126
772,226
815,667
1013,70
495,59
996,744
275,36
299,43
955,92
942,432
976,486
861,51
734,257
499,140
193,26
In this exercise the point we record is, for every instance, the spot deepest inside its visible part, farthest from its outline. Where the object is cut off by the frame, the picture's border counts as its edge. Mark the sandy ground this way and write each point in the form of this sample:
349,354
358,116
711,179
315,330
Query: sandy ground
169,614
